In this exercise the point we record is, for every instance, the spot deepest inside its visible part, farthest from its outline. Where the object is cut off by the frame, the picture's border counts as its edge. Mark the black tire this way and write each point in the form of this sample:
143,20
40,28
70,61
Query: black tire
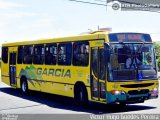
24,86
81,96
122,105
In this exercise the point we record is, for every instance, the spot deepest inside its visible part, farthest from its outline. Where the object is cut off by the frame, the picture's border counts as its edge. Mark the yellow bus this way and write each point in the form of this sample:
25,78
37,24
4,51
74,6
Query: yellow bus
99,67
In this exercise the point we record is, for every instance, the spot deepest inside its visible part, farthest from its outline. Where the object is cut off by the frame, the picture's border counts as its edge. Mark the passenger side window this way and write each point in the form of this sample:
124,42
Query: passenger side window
51,54
28,54
20,55
64,53
81,53
38,54
5,54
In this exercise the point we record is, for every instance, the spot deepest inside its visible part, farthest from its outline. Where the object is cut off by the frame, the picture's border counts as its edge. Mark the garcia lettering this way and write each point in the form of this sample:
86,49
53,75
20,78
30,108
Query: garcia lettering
54,72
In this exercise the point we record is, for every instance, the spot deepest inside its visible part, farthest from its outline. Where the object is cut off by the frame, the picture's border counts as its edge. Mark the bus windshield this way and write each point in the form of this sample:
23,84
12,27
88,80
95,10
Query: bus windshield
132,61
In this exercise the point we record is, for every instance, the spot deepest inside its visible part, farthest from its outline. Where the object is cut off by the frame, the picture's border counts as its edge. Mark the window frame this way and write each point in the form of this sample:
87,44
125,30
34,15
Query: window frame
46,54
5,55
67,54
20,54
88,53
28,55
41,56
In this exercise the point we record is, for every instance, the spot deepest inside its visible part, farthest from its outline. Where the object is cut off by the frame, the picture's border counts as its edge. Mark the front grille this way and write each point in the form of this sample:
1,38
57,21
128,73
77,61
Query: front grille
137,92
137,85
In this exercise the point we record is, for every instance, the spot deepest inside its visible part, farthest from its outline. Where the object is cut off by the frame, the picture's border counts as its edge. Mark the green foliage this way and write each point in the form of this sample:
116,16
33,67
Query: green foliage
158,63
157,51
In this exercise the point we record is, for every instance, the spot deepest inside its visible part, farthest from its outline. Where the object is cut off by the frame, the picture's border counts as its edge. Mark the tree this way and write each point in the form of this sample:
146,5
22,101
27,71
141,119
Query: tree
157,52
157,49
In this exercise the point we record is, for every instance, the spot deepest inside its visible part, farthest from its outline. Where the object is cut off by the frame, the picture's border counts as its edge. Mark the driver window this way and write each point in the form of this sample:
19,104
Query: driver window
118,57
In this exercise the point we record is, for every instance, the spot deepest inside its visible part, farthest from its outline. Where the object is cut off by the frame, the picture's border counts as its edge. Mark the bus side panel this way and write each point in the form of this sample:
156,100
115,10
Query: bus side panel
18,77
18,82
27,72
57,88
54,79
5,73
5,80
89,93
34,85
62,79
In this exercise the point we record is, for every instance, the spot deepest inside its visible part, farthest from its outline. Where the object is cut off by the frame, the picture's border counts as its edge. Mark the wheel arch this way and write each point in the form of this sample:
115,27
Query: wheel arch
23,77
78,85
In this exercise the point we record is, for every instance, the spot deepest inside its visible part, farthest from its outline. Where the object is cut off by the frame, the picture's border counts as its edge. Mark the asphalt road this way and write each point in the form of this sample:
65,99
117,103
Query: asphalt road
12,101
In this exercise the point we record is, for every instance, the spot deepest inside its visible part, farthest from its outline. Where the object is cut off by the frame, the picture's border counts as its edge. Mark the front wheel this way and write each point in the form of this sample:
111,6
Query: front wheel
122,106
24,86
81,97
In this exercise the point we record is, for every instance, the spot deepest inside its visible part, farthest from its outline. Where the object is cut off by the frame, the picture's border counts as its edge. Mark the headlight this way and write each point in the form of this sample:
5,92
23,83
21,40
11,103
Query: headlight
155,89
154,92
117,92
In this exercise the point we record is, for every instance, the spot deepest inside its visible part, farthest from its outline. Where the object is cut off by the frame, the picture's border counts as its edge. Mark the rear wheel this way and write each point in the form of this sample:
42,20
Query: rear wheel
24,86
81,97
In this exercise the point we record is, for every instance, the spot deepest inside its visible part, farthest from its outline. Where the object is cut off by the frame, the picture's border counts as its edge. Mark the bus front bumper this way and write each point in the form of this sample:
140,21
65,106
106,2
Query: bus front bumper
128,98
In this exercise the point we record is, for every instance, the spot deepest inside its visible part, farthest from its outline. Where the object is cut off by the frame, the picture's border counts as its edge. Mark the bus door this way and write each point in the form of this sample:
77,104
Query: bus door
12,68
98,73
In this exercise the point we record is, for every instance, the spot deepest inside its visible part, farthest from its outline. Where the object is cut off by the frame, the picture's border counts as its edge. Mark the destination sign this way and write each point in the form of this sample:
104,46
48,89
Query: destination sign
129,37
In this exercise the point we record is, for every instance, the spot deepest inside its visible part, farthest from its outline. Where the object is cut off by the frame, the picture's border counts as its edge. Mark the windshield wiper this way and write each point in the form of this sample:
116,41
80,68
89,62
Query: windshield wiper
140,48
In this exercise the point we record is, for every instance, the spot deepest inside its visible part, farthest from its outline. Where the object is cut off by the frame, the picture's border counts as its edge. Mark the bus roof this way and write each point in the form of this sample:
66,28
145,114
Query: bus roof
90,36
95,35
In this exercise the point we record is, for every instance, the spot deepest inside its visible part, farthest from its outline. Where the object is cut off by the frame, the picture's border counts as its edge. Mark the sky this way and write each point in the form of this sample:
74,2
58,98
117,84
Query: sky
38,19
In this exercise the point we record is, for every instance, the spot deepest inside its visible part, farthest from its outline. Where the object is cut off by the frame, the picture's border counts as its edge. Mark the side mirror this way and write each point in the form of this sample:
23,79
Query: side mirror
107,52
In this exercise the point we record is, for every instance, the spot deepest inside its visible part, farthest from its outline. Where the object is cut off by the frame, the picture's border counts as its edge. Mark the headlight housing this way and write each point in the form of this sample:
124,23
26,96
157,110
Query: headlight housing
117,92
154,92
